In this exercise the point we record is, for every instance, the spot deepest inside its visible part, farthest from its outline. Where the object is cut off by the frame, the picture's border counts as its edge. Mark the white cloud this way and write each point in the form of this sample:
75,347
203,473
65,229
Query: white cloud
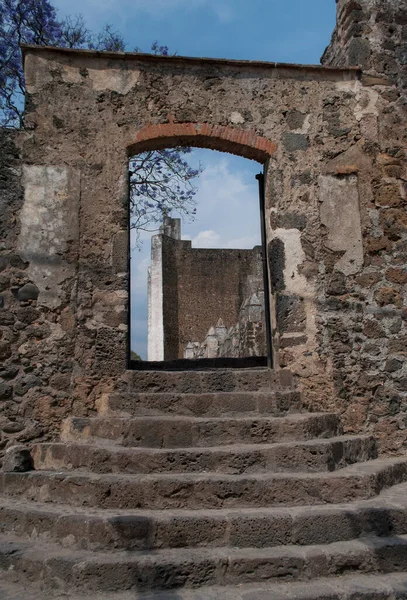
227,204
246,241
207,239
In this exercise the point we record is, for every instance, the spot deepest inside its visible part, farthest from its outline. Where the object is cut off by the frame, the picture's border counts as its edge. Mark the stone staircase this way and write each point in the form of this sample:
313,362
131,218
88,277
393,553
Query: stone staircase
200,486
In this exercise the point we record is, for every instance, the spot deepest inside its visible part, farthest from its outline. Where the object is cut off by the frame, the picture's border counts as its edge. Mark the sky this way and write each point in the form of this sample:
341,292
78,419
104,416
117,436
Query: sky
292,31
270,30
227,217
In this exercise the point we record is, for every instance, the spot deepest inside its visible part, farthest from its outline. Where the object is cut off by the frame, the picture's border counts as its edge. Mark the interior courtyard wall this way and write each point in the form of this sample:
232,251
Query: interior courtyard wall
209,284
333,141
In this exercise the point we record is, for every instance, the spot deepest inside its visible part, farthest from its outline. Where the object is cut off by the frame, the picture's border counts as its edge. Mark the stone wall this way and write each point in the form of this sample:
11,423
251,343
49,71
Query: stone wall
364,313
333,142
199,287
36,336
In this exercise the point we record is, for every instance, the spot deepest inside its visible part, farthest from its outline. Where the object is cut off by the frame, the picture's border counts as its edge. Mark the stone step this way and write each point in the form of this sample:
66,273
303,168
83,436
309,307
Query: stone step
215,404
206,490
184,432
391,586
192,567
309,456
197,382
100,530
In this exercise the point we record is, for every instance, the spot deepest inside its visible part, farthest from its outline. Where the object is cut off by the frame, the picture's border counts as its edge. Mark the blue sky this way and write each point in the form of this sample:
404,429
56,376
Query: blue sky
294,31
227,217
271,30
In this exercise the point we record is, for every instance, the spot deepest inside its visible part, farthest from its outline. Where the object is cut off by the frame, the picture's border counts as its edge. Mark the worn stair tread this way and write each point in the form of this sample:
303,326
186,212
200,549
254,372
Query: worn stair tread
172,394
185,431
295,417
227,448
371,467
116,529
51,551
277,401
333,588
171,568
393,497
233,449
204,380
317,454
207,490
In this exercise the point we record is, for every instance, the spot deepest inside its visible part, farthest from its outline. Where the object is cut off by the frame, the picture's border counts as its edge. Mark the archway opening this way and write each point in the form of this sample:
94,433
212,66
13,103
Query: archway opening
197,280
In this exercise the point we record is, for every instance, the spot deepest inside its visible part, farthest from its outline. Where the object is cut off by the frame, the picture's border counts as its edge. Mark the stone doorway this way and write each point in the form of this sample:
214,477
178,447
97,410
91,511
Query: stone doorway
197,287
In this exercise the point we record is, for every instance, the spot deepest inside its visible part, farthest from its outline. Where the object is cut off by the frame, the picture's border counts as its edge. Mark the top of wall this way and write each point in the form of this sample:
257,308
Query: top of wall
278,70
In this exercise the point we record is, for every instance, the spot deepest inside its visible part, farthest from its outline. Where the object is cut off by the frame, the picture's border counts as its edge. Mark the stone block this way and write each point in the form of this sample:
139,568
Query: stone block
340,214
288,220
17,460
120,256
295,119
388,295
293,142
29,291
394,222
359,53
290,313
6,391
336,284
388,195
276,259
397,275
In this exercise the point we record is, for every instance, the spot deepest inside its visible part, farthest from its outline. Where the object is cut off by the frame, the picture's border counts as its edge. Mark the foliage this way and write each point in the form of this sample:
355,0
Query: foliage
108,40
74,32
21,22
161,181
157,49
35,22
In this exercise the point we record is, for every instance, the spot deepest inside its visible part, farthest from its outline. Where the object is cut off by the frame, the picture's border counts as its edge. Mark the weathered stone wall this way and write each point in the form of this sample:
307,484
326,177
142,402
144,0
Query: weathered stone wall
36,336
364,314
333,143
90,112
201,286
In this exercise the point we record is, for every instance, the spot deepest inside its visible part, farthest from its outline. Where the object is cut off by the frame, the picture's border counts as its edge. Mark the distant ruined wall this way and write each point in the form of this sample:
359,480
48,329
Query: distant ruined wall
333,142
200,286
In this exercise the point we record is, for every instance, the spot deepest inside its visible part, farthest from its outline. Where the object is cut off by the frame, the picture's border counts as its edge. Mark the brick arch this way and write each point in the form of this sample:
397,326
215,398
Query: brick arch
203,135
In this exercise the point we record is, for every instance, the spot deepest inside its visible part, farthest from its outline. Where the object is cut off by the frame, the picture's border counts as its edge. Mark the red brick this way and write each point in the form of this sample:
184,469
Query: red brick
227,139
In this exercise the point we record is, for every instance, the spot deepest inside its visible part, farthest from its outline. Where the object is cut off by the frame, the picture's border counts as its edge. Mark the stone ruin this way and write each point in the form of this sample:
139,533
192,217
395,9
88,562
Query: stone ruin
242,480
332,140
203,303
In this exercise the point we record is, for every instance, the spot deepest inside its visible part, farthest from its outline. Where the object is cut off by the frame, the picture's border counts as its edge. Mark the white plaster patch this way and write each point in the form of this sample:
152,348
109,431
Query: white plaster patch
236,118
49,221
105,78
306,125
366,98
71,74
294,281
116,80
36,71
120,79
340,213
